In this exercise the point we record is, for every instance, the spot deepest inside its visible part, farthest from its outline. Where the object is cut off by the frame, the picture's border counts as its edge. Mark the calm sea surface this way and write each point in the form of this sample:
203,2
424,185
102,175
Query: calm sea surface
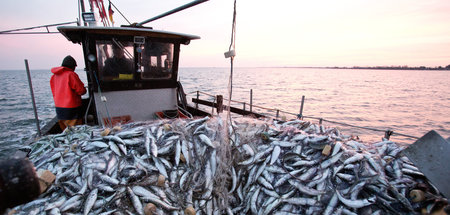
407,102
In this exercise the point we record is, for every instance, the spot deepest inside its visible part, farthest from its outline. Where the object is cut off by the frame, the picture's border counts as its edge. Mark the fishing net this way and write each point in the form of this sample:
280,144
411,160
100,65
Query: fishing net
248,167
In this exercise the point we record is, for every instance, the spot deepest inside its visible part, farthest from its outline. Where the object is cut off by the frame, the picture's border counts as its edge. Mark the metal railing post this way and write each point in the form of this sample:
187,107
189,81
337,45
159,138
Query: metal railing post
32,98
301,107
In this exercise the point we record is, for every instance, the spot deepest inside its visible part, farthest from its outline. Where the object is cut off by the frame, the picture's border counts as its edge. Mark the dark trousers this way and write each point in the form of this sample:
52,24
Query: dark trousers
69,116
63,124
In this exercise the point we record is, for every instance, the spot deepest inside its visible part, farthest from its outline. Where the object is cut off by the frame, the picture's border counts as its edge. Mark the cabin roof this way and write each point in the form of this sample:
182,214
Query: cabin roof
74,33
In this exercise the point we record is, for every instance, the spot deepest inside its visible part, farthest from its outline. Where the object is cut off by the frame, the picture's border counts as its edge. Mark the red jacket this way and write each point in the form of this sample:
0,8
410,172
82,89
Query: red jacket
67,87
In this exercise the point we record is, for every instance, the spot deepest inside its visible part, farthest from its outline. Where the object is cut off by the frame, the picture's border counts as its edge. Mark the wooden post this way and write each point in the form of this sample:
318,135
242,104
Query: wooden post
388,134
243,104
251,100
301,107
32,98
278,113
219,103
196,104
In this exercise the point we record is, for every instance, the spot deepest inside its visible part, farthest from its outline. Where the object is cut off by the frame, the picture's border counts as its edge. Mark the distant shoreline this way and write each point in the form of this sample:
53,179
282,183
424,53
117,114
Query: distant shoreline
394,68
364,67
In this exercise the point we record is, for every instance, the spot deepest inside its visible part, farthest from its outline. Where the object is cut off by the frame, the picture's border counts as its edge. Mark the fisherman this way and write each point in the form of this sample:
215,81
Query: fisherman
118,67
67,89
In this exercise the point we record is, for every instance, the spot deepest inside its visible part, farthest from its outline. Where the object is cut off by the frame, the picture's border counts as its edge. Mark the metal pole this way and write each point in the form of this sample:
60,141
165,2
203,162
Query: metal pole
251,100
41,26
32,98
188,5
301,107
83,9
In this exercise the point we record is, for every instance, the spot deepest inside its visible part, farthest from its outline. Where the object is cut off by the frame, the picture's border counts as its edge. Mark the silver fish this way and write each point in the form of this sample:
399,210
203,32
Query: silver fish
136,202
356,203
92,197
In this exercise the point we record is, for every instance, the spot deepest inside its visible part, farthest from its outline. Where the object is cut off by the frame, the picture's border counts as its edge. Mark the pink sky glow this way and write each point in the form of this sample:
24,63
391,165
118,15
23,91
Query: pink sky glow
268,33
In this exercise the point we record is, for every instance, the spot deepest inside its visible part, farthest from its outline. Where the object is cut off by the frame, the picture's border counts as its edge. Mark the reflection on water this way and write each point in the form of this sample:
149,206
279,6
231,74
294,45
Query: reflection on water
407,102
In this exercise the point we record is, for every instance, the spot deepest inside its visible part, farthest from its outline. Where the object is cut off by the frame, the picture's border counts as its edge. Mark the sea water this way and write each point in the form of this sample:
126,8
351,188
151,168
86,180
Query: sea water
410,102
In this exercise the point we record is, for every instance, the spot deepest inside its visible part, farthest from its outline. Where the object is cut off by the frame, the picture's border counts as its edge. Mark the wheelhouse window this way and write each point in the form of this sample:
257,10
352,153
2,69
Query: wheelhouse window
155,60
115,60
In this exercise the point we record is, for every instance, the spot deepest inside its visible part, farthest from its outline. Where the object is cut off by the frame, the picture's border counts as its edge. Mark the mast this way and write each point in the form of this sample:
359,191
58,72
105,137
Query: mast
82,10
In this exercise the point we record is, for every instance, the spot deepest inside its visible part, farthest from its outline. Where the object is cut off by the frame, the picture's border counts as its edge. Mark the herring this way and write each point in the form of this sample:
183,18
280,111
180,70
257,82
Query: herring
284,172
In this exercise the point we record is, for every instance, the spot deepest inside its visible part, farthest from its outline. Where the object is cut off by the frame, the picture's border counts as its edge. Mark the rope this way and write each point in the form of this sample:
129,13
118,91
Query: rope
181,95
185,112
119,44
104,102
233,30
212,96
166,116
230,84
362,127
120,12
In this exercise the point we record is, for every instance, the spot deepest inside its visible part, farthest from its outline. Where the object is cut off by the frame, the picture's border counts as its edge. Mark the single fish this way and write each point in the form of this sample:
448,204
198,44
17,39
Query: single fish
136,202
356,203
92,197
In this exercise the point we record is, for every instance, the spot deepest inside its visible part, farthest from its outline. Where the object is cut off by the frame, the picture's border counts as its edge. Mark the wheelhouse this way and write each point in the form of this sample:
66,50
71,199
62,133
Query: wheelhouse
132,72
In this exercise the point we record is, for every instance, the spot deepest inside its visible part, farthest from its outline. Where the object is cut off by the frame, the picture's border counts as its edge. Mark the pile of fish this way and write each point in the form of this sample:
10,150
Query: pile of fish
208,166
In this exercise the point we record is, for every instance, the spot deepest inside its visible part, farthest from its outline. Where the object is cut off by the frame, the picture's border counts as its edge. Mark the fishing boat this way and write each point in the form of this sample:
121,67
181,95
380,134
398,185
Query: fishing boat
148,89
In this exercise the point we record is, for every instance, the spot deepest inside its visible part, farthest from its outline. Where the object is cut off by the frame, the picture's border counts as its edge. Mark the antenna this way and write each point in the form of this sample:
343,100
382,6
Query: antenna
188,5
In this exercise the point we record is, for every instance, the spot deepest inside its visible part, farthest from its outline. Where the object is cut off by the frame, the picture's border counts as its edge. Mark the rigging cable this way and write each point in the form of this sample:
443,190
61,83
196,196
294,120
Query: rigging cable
13,31
230,54
103,99
268,115
120,12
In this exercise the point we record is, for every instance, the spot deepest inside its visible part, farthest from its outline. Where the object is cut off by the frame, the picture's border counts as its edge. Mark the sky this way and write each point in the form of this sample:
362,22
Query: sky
269,33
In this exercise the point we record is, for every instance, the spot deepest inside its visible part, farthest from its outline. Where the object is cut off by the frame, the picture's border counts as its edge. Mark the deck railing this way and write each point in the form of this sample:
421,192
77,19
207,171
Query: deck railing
216,103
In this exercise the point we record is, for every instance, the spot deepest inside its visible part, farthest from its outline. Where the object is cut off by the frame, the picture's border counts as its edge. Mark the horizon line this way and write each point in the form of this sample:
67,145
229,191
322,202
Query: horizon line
313,67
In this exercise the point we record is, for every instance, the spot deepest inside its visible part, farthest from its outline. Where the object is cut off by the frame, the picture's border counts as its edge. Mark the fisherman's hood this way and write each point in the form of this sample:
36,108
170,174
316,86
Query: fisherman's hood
60,70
